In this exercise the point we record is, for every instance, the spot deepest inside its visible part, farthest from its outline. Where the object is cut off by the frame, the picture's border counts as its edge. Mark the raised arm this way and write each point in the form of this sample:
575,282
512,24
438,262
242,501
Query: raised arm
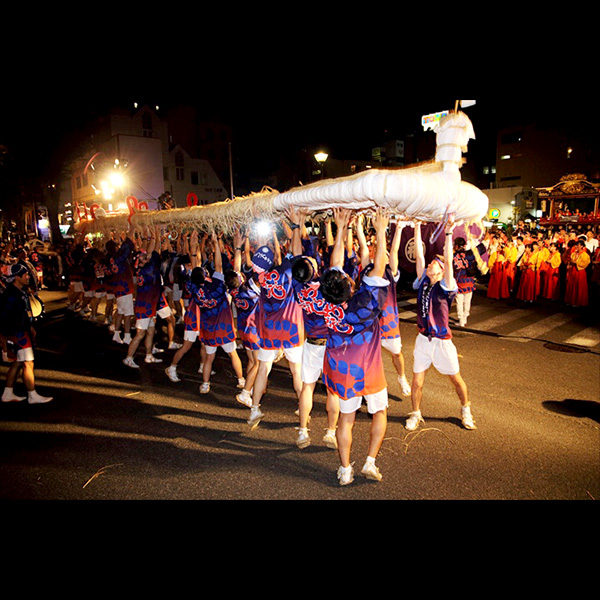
341,216
295,218
238,249
218,259
365,258
395,247
381,222
449,255
419,255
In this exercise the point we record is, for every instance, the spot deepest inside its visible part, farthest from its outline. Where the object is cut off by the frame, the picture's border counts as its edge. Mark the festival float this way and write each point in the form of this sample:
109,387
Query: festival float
429,192
572,201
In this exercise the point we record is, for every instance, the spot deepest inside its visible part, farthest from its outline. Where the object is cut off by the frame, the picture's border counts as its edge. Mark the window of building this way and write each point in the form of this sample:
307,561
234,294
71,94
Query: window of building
194,177
147,130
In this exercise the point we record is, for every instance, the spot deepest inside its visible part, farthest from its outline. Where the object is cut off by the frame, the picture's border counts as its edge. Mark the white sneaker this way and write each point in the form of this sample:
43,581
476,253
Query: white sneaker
467,418
241,383
346,475
152,359
129,362
303,439
174,346
172,374
404,385
117,338
205,388
156,350
370,471
255,416
127,339
35,398
201,368
414,418
245,398
329,439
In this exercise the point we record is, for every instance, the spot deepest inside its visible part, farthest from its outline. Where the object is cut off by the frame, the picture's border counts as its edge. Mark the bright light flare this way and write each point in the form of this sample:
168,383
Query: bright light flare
117,179
262,228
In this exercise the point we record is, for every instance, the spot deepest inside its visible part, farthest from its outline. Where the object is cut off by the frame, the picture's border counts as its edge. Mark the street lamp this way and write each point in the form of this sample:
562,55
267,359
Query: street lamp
321,157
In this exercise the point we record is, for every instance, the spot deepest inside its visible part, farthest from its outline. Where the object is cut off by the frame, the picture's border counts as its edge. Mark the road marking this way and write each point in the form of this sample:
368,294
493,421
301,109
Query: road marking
539,328
503,319
589,338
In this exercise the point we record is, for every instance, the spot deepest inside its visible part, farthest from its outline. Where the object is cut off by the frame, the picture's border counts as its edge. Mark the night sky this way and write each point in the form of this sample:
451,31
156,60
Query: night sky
346,113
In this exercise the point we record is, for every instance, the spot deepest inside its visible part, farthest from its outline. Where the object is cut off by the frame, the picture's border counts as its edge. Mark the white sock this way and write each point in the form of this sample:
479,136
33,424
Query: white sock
370,459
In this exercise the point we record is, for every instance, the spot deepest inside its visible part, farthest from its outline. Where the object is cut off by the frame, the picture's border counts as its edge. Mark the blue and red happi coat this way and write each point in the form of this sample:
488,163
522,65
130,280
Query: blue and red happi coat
353,364
280,323
216,318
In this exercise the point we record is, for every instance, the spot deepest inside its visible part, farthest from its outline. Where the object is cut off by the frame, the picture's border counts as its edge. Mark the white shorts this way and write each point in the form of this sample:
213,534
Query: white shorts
88,294
293,355
229,347
441,354
100,294
190,336
77,286
25,355
125,305
393,345
146,323
165,312
312,362
375,402
110,296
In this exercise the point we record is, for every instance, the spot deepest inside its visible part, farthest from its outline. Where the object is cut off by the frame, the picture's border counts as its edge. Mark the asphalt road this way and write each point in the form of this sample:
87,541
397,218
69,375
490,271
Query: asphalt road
112,433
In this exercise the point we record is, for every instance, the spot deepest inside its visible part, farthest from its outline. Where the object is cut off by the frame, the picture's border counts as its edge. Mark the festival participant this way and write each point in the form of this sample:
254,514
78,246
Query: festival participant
527,291
192,276
35,258
89,282
576,293
353,367
121,285
463,263
551,289
595,276
436,290
542,259
498,284
245,294
97,286
74,259
391,339
147,298
511,253
280,323
306,282
591,242
216,320
168,261
520,245
16,327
